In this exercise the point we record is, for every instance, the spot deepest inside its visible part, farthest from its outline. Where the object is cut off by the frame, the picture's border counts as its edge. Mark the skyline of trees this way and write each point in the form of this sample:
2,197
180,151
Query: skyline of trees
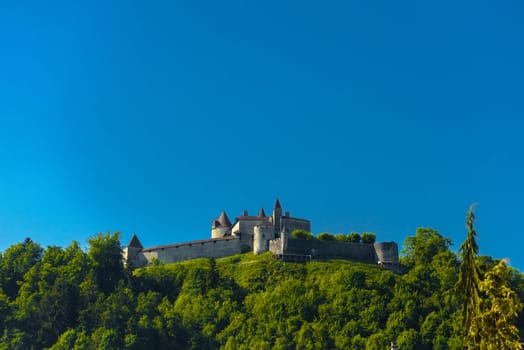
68,298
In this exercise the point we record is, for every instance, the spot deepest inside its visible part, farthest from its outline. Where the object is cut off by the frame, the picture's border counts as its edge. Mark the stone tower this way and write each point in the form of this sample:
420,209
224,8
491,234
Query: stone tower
221,227
277,218
262,234
131,252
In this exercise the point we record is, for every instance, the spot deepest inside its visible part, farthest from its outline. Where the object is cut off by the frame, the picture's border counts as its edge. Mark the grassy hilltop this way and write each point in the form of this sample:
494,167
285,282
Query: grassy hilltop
255,302
72,299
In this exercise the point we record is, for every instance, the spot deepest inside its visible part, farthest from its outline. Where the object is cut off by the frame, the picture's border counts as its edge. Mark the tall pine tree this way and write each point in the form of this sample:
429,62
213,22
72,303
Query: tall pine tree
469,278
490,306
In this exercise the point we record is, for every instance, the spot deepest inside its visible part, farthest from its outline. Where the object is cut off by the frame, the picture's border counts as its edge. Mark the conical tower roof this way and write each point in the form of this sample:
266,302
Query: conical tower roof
135,242
261,213
277,204
223,220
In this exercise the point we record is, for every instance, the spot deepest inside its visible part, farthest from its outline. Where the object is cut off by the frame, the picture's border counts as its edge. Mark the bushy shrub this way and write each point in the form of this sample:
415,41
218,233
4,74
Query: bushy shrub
368,238
354,237
301,234
341,237
326,236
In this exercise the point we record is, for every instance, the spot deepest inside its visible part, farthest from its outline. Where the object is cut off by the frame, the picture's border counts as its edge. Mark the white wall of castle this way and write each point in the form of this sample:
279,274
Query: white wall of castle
261,237
218,232
247,226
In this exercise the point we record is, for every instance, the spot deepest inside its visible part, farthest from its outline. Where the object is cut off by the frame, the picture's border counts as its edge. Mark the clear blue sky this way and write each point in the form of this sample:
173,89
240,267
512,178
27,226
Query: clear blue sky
154,116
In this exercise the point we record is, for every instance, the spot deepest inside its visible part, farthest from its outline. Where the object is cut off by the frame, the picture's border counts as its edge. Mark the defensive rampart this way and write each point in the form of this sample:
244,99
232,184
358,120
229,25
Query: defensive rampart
323,249
209,248
387,252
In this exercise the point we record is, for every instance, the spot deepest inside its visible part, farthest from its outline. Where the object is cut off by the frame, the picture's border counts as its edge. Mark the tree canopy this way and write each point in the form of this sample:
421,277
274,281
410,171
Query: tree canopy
68,298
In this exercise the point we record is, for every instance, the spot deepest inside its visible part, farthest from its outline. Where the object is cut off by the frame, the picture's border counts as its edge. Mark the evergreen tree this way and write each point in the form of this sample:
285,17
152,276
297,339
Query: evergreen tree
469,279
490,306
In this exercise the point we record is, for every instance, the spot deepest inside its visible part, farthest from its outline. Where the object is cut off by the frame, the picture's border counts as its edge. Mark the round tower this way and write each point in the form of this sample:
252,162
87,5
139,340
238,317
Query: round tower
387,252
221,227
262,234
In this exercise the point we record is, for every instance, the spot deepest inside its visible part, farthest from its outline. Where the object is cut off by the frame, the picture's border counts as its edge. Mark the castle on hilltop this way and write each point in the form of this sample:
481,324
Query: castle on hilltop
258,234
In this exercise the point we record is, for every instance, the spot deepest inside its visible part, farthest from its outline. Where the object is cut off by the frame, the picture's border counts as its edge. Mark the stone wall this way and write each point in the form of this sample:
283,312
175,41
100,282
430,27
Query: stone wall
276,246
212,248
295,224
247,226
324,249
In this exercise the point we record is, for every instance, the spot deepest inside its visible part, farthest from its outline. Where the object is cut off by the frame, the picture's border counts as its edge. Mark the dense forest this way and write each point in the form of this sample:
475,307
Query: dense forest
70,298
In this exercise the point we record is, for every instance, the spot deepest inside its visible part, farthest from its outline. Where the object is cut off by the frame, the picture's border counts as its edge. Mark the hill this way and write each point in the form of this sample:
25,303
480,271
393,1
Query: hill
70,299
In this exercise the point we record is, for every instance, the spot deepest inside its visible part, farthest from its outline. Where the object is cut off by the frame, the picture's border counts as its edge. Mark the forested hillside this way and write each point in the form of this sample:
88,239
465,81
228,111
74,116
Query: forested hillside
68,298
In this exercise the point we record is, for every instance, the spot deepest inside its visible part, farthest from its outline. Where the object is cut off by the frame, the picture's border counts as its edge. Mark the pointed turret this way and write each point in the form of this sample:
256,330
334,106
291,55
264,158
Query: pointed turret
135,242
261,213
221,227
277,218
131,253
224,220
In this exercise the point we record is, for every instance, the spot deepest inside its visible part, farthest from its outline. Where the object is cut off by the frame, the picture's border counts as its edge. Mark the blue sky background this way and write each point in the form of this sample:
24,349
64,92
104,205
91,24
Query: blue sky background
152,117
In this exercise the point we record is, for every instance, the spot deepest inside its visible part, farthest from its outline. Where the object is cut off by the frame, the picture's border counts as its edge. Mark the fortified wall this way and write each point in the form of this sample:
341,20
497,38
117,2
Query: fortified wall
288,248
259,234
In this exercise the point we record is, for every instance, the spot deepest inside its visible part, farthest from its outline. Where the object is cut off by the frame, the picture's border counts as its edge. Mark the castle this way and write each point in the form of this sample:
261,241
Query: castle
258,234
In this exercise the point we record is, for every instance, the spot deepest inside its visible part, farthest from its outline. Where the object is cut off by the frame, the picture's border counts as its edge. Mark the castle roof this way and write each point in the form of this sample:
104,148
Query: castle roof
253,218
277,204
223,220
262,213
135,242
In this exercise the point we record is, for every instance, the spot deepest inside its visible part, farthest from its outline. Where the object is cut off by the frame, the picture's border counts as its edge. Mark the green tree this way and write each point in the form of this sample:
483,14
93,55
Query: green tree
368,238
341,237
469,279
423,247
326,236
354,237
409,340
301,234
15,262
494,327
106,256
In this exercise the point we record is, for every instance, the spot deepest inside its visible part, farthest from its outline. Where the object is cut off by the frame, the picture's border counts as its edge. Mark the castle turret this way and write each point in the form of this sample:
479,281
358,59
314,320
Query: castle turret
131,252
221,227
386,252
277,218
262,234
